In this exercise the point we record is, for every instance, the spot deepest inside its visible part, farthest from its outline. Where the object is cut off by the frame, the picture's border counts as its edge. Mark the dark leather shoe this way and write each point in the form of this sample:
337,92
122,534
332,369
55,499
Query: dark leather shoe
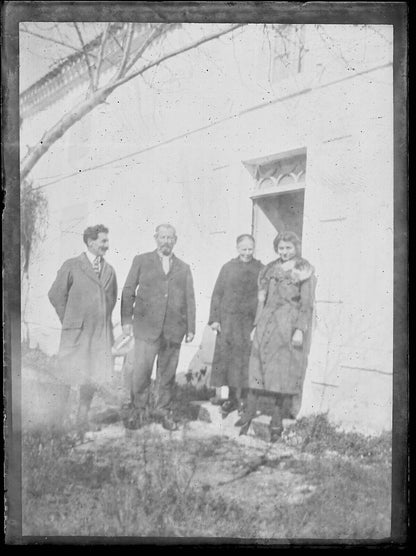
241,408
132,417
169,424
244,428
275,433
228,406
216,401
95,427
157,415
244,419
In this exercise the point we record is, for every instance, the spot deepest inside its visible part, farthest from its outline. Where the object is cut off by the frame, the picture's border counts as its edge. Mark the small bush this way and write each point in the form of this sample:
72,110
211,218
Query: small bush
33,220
316,435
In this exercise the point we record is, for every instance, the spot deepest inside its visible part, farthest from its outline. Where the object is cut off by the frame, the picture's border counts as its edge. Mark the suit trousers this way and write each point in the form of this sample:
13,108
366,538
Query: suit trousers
167,361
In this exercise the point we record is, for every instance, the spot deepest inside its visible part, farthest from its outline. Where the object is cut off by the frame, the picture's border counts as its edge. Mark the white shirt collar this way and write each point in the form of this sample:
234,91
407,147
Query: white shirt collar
164,256
90,256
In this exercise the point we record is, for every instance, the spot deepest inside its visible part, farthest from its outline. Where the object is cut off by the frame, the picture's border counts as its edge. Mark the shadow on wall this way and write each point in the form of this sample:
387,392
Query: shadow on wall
199,370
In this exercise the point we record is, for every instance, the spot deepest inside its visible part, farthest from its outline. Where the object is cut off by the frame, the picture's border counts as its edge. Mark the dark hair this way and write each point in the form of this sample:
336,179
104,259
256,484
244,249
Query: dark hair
290,237
92,232
245,236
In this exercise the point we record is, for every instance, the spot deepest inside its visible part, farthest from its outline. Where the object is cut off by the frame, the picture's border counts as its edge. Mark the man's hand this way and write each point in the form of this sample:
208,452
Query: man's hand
189,337
127,329
216,327
297,339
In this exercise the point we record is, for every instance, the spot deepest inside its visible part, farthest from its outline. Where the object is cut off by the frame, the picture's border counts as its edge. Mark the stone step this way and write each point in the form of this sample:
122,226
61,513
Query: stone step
260,427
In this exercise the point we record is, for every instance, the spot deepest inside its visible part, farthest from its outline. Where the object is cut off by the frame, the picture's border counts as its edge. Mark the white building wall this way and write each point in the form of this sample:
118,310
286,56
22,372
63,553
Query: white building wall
198,183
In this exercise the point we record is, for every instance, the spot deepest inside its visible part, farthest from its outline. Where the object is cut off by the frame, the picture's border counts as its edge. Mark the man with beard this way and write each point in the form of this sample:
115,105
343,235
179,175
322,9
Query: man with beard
84,294
158,307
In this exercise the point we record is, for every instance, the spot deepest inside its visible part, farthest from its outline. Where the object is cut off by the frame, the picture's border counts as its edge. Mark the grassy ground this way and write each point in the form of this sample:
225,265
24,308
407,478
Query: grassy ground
107,493
325,484
316,435
146,486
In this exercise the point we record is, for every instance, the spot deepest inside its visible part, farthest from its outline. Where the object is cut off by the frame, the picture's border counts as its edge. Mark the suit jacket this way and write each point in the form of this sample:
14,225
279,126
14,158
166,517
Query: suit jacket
84,302
163,303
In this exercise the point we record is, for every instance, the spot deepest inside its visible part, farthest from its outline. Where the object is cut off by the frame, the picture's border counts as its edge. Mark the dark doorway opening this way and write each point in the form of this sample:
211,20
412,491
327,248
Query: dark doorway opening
273,214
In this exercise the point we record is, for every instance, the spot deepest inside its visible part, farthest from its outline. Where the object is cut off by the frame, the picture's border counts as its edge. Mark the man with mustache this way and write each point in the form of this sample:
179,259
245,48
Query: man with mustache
84,294
158,308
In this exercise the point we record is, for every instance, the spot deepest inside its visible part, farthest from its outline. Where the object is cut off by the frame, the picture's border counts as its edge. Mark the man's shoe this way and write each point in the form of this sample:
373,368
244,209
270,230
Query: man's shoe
275,433
244,419
228,406
244,428
94,427
241,407
157,415
132,417
216,401
78,436
169,424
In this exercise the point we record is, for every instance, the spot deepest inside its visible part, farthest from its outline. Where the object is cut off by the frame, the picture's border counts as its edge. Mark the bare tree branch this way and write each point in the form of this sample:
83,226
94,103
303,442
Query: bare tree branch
126,51
326,38
86,56
157,32
104,37
377,32
52,40
35,153
117,42
66,122
174,53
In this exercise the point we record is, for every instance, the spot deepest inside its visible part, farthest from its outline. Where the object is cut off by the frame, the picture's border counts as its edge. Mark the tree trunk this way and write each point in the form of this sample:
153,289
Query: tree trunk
67,121
35,153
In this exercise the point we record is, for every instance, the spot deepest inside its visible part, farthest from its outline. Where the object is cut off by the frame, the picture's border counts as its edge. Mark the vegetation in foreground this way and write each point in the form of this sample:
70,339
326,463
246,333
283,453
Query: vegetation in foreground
144,486
147,490
316,435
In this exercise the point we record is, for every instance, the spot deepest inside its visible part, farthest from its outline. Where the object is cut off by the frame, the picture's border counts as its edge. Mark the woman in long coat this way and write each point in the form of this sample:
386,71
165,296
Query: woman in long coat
281,338
232,314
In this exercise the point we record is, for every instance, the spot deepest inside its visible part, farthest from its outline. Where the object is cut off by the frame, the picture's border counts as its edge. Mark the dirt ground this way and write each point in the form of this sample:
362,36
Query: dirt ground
201,482
249,471
204,481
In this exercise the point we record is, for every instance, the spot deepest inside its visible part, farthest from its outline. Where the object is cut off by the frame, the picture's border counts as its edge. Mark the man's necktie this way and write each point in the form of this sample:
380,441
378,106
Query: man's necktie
97,265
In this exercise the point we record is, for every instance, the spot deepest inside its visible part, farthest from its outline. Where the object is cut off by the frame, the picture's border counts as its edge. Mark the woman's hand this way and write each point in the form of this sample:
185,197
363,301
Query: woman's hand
216,327
297,339
252,334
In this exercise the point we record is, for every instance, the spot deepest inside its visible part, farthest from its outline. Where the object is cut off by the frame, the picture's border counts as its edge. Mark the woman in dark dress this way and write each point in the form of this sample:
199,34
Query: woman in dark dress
232,314
281,337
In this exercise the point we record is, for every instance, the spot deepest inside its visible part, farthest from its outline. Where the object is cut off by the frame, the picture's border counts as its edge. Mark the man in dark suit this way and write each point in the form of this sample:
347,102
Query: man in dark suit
160,314
84,294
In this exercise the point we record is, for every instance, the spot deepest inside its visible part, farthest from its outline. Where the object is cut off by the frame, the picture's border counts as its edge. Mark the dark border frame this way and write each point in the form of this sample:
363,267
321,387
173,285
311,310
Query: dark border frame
393,13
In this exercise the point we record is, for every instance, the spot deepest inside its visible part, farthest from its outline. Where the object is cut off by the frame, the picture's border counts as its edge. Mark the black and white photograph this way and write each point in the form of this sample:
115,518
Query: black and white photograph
205,272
